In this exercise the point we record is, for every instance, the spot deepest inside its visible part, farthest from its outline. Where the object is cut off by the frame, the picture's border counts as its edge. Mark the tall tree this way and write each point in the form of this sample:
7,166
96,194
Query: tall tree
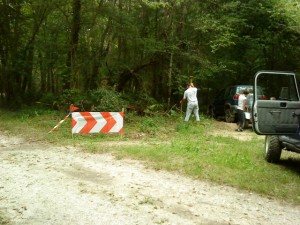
141,46
71,80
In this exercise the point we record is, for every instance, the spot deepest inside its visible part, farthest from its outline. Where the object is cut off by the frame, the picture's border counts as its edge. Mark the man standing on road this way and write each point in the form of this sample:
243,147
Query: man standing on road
240,110
190,95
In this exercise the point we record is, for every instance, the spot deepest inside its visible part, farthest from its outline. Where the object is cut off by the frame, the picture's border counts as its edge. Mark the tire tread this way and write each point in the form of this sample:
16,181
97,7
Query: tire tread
273,149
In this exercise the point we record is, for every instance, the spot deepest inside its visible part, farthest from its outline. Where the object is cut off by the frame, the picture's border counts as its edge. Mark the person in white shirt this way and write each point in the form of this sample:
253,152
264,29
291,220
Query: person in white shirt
240,110
190,95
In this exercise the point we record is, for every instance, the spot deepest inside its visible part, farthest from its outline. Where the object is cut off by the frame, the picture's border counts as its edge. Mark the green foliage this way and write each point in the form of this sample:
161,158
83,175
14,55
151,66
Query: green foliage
48,98
102,99
105,100
67,98
142,103
143,46
149,125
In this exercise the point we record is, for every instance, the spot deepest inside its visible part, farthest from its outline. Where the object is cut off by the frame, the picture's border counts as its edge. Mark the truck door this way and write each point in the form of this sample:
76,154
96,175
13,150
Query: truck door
278,113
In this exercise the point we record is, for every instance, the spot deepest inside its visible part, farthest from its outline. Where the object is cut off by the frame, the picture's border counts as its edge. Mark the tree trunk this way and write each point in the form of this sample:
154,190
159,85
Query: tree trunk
170,80
70,79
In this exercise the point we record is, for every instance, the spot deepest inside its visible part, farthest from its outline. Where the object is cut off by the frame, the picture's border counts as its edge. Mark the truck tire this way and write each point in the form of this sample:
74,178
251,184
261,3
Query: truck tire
245,124
273,148
211,112
229,118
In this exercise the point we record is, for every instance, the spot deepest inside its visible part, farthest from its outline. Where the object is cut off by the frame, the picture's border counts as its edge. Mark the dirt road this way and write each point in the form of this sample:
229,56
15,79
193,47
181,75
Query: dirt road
40,184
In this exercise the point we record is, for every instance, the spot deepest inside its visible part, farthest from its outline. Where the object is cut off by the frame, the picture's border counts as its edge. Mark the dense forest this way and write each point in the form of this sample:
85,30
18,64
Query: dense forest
134,53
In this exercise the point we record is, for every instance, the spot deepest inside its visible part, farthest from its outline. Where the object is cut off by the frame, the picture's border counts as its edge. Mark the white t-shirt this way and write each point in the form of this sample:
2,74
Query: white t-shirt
191,95
241,102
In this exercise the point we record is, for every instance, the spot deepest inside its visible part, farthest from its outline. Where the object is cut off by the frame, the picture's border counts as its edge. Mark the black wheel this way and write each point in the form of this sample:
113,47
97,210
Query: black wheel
211,112
245,124
273,148
229,118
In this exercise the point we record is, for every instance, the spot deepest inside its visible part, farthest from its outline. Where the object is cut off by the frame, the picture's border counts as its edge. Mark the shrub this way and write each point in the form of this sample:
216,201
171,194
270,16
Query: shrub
104,99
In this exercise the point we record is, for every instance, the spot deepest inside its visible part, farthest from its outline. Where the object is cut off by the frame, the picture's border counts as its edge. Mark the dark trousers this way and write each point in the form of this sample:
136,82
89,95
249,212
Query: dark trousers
240,117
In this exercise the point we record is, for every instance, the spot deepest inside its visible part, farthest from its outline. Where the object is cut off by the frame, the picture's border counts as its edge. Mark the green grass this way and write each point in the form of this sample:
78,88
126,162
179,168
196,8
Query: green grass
168,143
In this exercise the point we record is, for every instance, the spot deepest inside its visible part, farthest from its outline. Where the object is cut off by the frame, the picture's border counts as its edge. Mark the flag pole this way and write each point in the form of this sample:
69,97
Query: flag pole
60,122
72,109
121,134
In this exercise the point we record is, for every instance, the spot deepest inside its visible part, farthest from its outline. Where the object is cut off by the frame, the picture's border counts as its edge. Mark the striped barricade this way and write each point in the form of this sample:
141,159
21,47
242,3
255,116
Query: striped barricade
97,122
73,108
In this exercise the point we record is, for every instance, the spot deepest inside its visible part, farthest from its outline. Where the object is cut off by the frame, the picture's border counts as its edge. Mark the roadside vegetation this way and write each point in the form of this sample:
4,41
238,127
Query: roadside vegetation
165,142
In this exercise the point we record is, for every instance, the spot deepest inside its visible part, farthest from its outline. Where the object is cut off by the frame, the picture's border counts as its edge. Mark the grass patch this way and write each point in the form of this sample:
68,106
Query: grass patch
168,143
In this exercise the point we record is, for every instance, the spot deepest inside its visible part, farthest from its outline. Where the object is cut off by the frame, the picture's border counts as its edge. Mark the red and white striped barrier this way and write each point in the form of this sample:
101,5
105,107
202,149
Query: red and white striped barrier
97,122
72,109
